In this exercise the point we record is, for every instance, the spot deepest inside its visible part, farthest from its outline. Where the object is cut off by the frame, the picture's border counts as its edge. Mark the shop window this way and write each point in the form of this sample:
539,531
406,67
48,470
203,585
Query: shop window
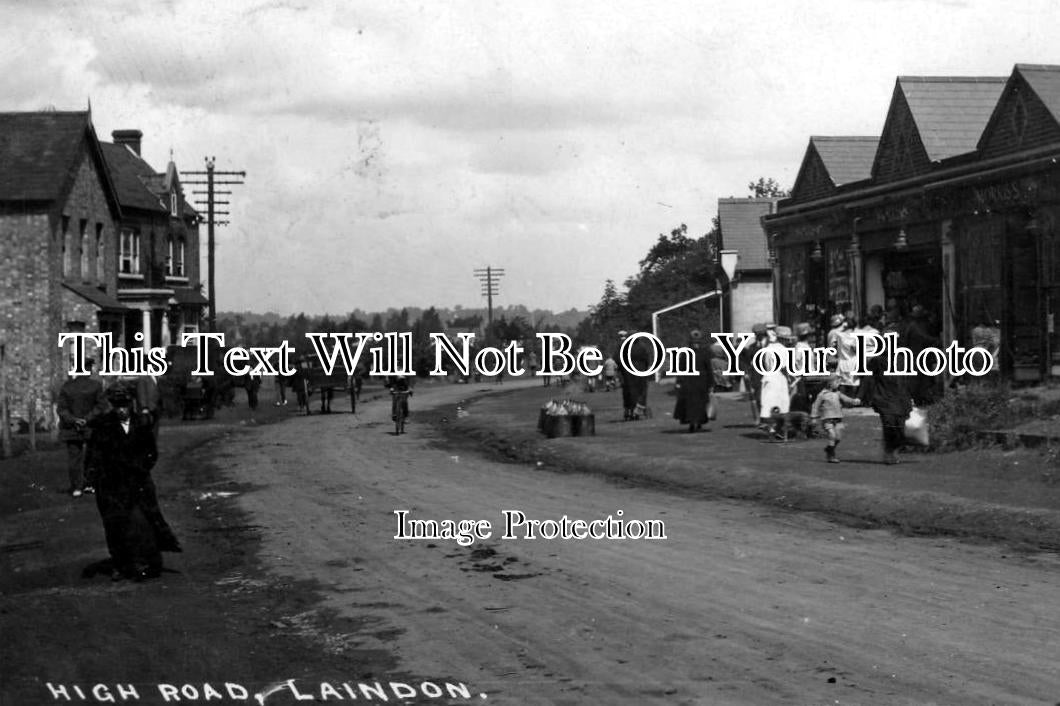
839,276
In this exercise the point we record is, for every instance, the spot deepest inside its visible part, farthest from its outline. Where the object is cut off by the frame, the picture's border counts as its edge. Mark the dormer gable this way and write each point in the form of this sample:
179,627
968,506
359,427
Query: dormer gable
931,119
1028,113
831,162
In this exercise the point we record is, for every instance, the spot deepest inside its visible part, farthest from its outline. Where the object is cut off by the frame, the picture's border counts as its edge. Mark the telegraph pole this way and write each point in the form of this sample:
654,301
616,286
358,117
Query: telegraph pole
211,203
489,276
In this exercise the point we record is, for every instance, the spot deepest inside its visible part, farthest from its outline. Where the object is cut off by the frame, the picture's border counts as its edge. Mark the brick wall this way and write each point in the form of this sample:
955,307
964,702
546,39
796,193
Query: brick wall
35,305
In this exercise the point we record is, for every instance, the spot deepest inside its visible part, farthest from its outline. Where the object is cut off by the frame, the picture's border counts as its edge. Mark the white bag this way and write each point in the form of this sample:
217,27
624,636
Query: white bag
916,427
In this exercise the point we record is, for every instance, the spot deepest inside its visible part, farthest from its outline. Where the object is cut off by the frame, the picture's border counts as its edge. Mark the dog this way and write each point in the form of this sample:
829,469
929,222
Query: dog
791,425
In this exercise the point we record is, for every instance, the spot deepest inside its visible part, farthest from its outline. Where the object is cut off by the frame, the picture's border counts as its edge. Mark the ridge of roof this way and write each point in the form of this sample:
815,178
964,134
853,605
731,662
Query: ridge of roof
844,138
748,199
1038,67
952,79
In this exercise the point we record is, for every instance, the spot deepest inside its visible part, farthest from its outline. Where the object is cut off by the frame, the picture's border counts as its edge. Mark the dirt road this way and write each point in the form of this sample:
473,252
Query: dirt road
737,605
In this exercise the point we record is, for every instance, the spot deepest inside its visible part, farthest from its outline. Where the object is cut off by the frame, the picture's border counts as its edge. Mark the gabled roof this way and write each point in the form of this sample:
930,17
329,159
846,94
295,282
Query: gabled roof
40,153
1044,80
171,180
739,222
847,158
131,175
830,162
950,112
1040,115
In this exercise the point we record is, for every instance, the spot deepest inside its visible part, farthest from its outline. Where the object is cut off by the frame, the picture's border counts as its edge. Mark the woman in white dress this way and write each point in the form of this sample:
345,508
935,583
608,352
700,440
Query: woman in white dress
776,393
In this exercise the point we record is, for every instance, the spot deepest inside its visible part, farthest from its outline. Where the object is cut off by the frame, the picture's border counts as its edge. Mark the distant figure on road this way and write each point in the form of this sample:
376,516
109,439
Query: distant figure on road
610,373
635,387
253,384
281,391
300,380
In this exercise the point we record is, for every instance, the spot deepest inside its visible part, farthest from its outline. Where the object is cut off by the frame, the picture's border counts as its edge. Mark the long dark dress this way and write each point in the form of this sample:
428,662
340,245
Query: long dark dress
635,387
891,400
135,528
694,394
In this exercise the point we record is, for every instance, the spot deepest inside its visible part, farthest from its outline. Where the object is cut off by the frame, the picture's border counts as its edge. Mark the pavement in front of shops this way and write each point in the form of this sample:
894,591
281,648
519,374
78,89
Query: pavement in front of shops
990,493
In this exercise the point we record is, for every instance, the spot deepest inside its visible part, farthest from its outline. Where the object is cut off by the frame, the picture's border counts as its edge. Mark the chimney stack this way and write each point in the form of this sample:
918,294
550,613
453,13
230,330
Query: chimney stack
128,137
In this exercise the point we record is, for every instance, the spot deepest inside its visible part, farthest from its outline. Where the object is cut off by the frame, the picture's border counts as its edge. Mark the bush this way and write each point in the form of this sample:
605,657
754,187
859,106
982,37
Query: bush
958,419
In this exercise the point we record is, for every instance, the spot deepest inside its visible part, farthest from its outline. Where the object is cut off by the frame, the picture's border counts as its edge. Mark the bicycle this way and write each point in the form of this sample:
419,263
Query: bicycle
399,409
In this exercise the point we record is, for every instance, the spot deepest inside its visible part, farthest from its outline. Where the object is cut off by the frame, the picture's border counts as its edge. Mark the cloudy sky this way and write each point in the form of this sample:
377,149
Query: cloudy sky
392,148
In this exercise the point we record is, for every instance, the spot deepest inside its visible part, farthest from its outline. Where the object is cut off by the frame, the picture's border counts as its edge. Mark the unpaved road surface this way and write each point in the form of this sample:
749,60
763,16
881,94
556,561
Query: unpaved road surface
738,604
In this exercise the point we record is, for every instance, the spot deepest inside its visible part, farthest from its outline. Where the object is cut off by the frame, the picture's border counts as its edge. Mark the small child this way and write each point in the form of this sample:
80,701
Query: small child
828,408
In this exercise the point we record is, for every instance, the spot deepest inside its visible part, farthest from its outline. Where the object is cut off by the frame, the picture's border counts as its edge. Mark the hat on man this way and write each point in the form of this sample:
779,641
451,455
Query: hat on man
771,325
758,329
119,395
783,332
837,320
623,333
802,329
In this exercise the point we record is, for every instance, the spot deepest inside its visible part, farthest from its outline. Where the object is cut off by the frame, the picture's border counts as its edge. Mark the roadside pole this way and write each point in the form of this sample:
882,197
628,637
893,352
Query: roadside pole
5,417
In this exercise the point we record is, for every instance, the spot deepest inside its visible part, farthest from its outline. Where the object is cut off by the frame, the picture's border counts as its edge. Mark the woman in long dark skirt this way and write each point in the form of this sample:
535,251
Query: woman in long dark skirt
135,529
693,394
892,401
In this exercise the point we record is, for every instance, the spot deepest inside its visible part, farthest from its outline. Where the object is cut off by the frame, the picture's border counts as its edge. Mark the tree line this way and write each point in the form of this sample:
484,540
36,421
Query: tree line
676,268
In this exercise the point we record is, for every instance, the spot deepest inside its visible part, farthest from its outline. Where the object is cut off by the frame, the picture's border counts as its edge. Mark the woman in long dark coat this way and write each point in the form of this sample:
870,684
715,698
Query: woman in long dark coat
136,531
635,387
693,394
892,401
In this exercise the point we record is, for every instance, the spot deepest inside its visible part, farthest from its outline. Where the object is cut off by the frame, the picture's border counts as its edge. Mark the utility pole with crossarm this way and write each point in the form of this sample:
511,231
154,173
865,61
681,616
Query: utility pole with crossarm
489,276
208,198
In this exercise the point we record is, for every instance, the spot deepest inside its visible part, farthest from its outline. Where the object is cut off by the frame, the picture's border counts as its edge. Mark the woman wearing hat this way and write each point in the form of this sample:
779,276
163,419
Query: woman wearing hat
693,392
806,388
776,392
842,338
136,531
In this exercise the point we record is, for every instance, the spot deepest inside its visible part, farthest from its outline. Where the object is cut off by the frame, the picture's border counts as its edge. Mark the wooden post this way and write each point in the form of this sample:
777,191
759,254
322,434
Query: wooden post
5,417
32,423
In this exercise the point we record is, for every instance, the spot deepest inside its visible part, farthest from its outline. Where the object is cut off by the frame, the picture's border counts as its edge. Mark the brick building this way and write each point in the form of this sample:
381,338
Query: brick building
58,210
62,256
953,209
